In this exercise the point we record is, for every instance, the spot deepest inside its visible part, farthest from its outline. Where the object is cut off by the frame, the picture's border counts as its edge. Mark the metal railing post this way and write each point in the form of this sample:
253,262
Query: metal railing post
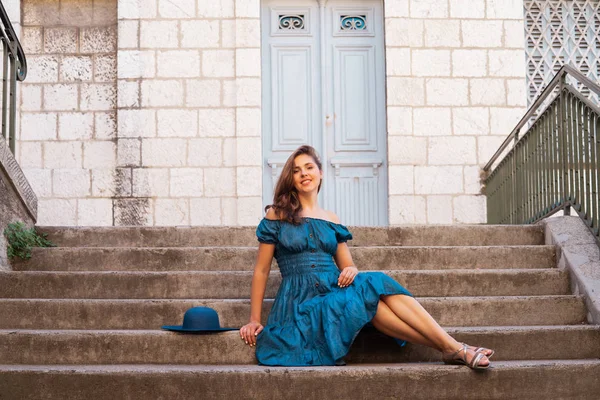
563,143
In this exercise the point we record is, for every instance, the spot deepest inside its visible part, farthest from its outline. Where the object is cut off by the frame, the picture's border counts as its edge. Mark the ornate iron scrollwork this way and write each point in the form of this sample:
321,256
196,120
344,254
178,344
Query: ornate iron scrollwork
353,22
291,22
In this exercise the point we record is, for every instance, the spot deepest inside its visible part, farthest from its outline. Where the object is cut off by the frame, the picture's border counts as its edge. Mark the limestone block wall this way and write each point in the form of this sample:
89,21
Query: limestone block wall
67,146
455,89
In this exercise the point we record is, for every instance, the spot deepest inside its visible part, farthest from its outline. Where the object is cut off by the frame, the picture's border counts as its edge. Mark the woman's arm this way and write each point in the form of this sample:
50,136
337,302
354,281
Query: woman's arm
259,279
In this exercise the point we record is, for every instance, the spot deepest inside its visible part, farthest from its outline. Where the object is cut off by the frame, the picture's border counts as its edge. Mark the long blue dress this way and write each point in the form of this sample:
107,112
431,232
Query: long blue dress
313,321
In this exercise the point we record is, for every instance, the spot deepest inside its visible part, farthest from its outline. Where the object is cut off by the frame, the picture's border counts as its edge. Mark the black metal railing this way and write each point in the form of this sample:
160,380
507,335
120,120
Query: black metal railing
554,165
14,68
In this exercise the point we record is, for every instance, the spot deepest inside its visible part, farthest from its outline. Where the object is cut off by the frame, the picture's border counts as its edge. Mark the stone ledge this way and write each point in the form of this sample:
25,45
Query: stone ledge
577,252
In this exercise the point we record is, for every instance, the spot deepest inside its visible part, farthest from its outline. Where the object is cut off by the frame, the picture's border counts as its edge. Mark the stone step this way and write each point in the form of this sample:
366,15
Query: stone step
236,285
438,235
370,346
531,379
152,314
243,258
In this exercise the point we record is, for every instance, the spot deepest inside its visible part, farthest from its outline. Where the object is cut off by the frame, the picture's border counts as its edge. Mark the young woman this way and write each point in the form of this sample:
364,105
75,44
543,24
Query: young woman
321,306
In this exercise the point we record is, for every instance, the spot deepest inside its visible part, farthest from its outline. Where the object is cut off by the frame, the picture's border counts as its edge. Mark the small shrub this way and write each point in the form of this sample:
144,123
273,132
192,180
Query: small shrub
21,239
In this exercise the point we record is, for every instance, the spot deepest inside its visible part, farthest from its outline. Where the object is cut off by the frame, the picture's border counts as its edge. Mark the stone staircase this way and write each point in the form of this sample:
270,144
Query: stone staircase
82,320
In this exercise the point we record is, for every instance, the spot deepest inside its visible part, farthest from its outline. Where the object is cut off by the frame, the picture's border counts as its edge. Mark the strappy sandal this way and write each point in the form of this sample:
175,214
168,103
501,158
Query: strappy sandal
481,350
474,364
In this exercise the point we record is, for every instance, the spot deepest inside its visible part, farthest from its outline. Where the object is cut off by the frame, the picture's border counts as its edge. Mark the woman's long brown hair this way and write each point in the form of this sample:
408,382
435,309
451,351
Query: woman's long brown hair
285,199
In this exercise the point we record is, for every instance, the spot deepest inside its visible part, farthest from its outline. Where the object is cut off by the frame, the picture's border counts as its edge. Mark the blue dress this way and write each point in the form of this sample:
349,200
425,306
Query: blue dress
313,321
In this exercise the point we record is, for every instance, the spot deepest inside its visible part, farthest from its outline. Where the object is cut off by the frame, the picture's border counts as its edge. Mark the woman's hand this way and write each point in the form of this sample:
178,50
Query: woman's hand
347,276
250,331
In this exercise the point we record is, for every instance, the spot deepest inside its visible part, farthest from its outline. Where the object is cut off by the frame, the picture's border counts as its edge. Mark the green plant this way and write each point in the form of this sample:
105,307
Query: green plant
21,239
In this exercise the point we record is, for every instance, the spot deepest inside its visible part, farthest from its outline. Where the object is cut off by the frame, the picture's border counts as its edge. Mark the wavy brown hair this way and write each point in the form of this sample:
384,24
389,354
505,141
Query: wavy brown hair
285,198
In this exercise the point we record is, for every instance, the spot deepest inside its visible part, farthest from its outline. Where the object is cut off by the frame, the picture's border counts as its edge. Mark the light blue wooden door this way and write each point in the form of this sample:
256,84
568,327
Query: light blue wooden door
324,85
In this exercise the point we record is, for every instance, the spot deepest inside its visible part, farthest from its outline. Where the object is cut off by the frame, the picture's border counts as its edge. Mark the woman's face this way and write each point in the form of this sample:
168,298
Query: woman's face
307,175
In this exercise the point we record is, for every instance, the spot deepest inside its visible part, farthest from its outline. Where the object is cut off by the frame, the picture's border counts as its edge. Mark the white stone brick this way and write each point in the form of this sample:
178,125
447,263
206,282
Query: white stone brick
247,33
247,62
71,182
31,97
164,152
99,154
249,211
431,62
514,34
129,152
472,179
396,8
438,180
106,125
399,121
473,121
406,150
200,34
76,69
247,8
228,33
128,94
75,126
407,210
247,123
467,8
94,212
230,152
218,63
406,91
470,209
98,39
162,93
220,122
205,153
150,182
186,182
42,69
404,32
442,33
439,209
136,64
177,123
105,68
401,179
62,154
32,40
215,9
203,93
398,61
504,120
249,151
246,91
428,8
30,154
57,212
205,212
128,35
98,97
432,121
517,92
178,64
38,126
507,63
452,150
60,40
219,182
136,9
481,33
134,211
179,9
248,181
487,146
136,123
159,34
40,181
447,92
171,212
110,182
505,9
469,63
487,92
228,211
60,97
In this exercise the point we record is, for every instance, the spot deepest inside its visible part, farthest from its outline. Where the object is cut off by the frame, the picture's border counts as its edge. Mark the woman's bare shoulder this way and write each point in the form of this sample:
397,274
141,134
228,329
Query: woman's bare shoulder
272,214
333,217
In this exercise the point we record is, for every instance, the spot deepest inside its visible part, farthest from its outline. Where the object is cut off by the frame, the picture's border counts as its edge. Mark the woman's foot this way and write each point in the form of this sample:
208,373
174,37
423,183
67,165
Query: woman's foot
486,352
465,356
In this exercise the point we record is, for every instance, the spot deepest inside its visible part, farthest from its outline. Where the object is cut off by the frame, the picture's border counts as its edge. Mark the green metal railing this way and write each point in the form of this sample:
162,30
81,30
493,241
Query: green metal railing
554,165
14,68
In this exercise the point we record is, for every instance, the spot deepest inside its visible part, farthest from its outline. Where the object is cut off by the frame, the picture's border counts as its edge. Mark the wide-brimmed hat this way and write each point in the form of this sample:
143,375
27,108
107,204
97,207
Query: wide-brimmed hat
199,319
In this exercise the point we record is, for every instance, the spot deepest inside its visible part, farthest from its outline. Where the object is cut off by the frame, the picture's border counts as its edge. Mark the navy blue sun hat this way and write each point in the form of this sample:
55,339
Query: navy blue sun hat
199,319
